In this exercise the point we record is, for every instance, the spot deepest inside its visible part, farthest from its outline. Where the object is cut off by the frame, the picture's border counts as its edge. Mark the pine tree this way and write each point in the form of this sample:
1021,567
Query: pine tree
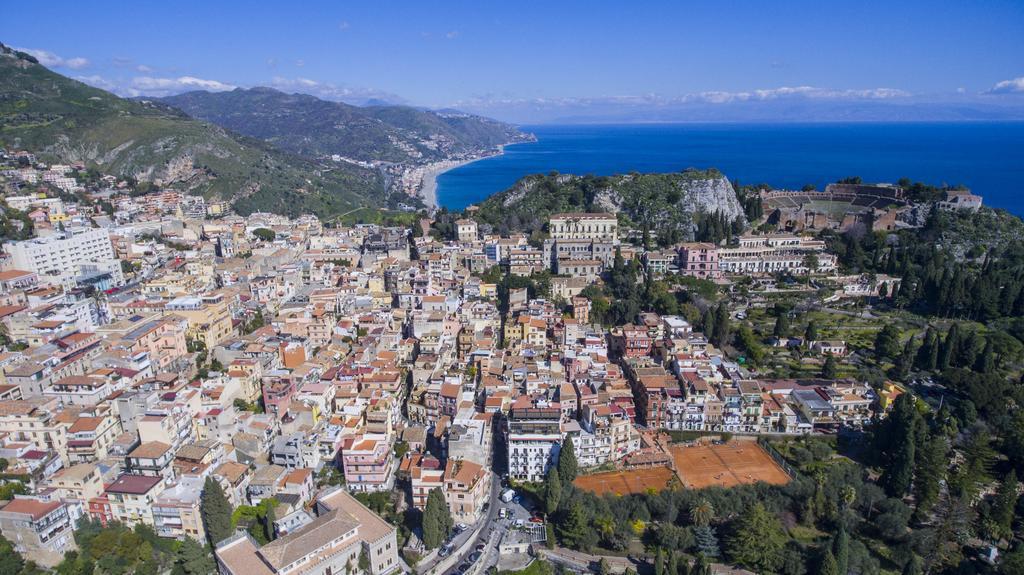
567,464
758,540
190,558
437,519
215,510
828,564
552,490
573,530
1004,506
706,541
887,342
913,566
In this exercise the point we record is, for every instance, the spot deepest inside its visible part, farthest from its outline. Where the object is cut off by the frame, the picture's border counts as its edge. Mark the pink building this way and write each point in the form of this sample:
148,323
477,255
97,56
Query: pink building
367,462
699,260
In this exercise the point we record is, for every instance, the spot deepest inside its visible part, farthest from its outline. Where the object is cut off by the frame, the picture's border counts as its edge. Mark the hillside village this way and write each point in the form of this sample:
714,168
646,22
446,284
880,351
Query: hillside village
334,383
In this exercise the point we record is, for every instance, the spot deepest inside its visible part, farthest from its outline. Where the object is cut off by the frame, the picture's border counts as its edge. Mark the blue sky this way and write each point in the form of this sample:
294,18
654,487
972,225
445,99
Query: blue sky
488,55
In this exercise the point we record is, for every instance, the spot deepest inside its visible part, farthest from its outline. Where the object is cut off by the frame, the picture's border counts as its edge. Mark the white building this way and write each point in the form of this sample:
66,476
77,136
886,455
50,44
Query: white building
534,438
584,226
66,255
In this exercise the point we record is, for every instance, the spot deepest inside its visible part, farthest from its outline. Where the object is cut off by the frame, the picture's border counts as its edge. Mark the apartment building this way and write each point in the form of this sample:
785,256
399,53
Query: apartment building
534,438
130,499
35,421
176,511
42,531
367,461
466,489
426,474
329,544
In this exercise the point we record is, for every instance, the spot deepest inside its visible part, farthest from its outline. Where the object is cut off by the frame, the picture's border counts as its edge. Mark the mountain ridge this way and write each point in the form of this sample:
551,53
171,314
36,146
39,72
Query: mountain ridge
309,126
65,120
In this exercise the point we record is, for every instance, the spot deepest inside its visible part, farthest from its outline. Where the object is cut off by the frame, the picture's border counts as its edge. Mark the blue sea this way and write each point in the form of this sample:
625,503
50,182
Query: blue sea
986,157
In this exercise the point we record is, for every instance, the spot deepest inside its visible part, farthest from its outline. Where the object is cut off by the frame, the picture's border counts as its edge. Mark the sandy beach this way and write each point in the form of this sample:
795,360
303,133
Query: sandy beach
428,182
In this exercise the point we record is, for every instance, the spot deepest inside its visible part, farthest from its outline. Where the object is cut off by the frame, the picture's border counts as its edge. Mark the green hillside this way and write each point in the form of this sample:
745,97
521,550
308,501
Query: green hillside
64,120
672,206
312,127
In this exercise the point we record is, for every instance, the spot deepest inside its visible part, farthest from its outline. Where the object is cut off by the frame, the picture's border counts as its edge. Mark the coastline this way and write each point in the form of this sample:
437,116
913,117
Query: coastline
428,182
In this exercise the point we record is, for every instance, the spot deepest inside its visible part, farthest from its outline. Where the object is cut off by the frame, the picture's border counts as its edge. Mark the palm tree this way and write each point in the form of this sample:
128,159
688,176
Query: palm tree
702,512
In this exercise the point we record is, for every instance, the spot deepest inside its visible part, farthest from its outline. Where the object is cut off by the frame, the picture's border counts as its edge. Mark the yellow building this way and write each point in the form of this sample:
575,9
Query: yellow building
209,318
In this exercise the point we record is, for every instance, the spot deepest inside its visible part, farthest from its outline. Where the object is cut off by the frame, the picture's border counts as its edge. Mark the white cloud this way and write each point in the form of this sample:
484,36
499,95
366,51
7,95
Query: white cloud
328,91
97,81
300,63
51,60
344,25
143,68
452,35
1014,86
158,87
708,97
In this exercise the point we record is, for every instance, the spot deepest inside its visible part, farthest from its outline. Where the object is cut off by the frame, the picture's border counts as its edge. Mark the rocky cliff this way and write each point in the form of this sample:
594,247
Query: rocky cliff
670,204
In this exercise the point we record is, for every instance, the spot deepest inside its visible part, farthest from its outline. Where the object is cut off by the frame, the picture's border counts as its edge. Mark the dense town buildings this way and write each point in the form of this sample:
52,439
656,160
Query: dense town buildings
168,342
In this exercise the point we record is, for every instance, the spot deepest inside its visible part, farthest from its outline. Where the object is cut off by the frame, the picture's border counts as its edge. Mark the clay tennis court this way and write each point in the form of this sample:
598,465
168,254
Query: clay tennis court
626,482
726,465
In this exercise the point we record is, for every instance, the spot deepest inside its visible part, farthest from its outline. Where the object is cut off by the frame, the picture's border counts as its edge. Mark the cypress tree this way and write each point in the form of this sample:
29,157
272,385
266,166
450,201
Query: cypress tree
986,362
841,549
268,521
568,467
811,333
552,490
925,352
781,329
1004,506
215,511
949,347
906,359
900,446
437,519
673,563
931,469
659,562
828,370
